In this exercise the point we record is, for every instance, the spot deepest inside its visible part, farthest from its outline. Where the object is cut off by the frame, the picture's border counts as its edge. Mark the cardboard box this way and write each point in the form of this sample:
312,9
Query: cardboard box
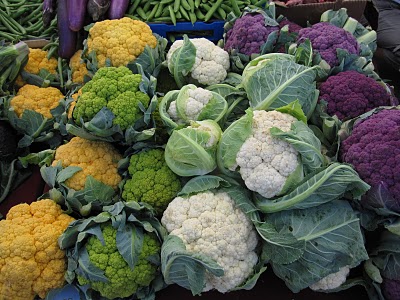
302,13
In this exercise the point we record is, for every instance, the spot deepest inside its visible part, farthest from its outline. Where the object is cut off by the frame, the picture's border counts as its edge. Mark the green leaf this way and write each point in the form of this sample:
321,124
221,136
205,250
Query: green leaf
87,269
186,269
97,191
280,248
231,141
274,80
185,152
332,236
182,61
130,243
42,158
294,109
67,173
202,183
320,187
49,175
303,140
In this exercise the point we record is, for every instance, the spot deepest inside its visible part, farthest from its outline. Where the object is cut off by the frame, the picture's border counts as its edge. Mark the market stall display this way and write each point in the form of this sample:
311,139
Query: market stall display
256,159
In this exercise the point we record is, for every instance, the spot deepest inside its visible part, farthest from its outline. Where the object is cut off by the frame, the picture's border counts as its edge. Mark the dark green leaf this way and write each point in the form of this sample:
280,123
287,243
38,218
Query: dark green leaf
130,243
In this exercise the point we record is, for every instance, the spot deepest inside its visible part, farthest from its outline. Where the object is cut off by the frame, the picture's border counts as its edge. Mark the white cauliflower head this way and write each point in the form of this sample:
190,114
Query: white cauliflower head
211,62
198,98
210,224
265,161
332,281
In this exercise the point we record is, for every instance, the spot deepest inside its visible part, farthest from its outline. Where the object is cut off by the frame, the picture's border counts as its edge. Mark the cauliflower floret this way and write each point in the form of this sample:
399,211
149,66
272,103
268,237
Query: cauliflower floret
210,224
198,98
265,161
211,62
332,281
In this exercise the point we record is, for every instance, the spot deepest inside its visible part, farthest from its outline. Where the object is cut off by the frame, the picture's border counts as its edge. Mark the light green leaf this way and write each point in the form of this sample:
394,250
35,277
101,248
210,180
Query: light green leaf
320,187
182,61
186,269
67,173
302,138
333,239
97,191
202,183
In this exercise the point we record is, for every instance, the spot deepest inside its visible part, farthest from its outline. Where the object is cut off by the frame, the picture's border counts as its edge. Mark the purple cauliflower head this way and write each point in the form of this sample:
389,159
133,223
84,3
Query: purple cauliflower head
325,38
373,148
350,94
248,34
391,289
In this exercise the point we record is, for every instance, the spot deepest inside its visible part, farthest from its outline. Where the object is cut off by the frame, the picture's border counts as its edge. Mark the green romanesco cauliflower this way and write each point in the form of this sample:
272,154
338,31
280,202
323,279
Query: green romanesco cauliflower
126,107
152,180
123,281
115,88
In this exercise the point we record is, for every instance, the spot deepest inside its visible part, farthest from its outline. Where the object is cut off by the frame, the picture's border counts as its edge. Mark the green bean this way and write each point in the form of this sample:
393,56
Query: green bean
197,3
9,36
178,15
133,17
141,13
11,24
185,5
37,13
193,17
177,3
261,3
200,15
162,19
235,7
184,13
191,3
133,7
222,13
172,14
205,6
159,10
7,6
166,1
152,13
213,10
146,7
165,12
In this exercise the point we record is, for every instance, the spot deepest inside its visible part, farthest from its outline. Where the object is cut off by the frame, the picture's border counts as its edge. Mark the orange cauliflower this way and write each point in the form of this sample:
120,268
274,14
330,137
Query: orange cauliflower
78,68
38,60
31,262
98,159
122,40
41,100
73,103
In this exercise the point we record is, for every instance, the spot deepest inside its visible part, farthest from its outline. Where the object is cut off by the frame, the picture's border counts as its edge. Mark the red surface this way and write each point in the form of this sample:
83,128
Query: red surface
269,287
27,192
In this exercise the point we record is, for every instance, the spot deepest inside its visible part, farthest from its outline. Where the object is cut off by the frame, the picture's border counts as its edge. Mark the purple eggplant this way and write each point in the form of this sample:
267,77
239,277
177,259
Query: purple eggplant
76,14
49,12
117,9
97,8
67,37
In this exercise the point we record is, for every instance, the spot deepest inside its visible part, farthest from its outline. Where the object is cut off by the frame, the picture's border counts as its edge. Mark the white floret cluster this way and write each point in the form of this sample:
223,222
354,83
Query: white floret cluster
211,62
210,224
265,161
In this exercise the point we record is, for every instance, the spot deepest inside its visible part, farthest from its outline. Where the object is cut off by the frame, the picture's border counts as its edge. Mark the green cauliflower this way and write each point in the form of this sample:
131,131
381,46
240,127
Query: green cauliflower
116,88
152,180
123,281
126,107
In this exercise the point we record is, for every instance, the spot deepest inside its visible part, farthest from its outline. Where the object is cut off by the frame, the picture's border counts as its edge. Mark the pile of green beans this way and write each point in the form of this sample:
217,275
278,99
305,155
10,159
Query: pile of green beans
22,19
171,11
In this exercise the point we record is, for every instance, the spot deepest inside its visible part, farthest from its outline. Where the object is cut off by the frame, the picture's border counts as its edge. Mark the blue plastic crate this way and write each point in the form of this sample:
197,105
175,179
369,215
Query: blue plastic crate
213,31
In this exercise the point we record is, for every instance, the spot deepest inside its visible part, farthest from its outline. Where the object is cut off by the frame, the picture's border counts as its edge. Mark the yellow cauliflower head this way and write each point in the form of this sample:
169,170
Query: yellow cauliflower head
98,159
41,100
78,68
38,60
31,262
122,40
